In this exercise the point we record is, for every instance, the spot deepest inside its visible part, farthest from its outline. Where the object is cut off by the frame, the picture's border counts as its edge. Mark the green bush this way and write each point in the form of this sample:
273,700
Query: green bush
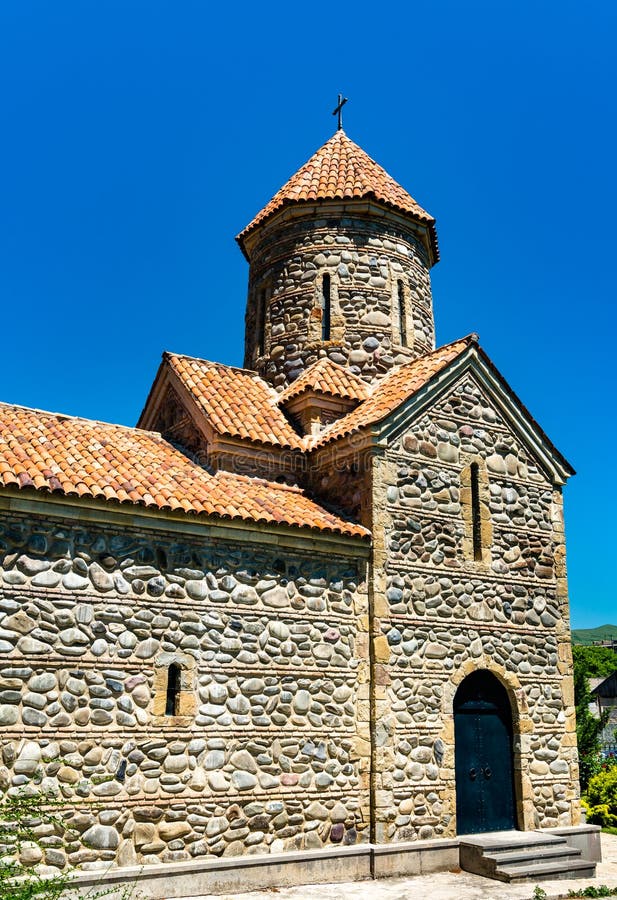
19,815
596,662
588,726
591,891
600,801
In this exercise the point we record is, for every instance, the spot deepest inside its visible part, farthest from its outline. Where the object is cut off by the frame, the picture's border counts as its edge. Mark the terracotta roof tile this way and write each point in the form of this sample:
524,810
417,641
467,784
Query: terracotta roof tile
341,170
51,452
327,377
235,401
397,386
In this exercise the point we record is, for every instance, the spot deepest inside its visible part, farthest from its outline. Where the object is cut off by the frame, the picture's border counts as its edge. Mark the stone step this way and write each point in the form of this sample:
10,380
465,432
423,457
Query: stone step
557,870
512,841
522,856
540,854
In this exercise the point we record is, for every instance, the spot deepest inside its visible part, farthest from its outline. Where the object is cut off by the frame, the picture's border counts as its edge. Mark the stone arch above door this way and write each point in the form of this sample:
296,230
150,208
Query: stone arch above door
484,755
522,728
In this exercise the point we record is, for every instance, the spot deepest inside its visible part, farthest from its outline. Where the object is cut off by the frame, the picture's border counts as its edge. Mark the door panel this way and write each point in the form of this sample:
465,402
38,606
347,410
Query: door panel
469,807
497,780
483,757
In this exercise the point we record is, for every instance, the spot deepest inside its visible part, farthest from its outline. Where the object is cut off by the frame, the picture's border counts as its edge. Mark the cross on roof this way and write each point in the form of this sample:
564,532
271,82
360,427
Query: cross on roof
339,110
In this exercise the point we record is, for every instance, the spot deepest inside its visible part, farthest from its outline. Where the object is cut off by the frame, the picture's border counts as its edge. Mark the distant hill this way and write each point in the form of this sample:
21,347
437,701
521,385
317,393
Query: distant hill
589,635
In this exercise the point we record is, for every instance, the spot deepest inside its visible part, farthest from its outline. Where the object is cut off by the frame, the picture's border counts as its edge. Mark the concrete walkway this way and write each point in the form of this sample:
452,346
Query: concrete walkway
440,886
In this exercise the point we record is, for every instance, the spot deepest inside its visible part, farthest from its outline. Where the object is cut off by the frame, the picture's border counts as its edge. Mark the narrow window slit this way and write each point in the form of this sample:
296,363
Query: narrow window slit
401,314
476,517
261,322
325,308
173,690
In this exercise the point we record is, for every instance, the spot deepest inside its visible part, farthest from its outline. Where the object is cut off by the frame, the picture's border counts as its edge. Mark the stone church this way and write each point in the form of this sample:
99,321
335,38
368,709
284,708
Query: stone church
309,618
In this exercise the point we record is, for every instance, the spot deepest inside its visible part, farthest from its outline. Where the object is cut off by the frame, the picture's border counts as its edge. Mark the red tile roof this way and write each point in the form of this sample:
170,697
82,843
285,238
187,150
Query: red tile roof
57,453
341,170
239,403
396,387
327,377
71,456
235,401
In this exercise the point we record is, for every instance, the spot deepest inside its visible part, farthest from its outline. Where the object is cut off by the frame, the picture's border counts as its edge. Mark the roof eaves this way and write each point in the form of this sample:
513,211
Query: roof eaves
423,218
354,531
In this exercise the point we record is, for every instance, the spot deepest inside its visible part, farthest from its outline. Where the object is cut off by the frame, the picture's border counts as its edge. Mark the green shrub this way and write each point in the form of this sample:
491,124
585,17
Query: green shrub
588,726
600,801
19,816
591,891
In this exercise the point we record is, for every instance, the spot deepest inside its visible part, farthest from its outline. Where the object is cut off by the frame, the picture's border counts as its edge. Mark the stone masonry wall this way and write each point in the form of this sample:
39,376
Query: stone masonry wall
365,259
269,749
439,615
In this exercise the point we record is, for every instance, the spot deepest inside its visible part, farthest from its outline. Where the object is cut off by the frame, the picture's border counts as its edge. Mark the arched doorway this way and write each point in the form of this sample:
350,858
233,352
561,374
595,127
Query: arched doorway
483,756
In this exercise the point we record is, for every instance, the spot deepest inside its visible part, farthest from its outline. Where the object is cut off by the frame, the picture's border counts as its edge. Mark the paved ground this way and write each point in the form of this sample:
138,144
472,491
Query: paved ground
441,886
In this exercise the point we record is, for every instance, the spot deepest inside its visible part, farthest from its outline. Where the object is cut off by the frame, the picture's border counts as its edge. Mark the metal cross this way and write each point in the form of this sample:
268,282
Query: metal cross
339,111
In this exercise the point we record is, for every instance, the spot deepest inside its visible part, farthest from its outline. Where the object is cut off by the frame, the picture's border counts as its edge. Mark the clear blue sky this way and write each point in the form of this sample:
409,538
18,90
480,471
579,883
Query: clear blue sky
139,137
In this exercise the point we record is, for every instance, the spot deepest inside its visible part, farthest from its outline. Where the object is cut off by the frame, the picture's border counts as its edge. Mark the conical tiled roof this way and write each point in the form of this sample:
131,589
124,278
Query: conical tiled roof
341,170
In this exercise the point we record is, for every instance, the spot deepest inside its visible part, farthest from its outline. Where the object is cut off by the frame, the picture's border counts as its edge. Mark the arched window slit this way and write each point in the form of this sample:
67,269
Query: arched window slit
401,313
476,514
325,308
261,321
173,690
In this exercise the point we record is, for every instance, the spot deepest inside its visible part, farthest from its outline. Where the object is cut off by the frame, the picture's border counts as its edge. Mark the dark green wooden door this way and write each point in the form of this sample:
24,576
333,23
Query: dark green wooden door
483,756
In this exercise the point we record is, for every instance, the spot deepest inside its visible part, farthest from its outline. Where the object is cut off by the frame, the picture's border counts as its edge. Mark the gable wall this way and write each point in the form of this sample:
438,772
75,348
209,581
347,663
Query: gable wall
439,615
270,747
176,425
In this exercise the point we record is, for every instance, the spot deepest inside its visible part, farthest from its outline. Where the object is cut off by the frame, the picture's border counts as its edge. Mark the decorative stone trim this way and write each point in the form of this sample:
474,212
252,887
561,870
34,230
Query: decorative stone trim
260,299
467,508
522,728
186,695
406,324
337,322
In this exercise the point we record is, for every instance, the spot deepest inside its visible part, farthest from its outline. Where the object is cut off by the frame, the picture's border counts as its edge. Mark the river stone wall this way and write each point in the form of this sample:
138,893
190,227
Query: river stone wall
269,749
365,259
439,615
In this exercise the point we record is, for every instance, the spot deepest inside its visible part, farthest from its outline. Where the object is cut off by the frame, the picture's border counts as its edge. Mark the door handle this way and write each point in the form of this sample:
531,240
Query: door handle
472,774
487,772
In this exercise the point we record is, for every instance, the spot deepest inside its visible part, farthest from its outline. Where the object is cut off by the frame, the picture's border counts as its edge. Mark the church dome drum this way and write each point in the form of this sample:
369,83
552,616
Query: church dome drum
339,268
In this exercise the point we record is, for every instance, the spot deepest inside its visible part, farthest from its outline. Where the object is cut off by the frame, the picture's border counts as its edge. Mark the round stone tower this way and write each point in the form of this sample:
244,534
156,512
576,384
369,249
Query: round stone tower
339,267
